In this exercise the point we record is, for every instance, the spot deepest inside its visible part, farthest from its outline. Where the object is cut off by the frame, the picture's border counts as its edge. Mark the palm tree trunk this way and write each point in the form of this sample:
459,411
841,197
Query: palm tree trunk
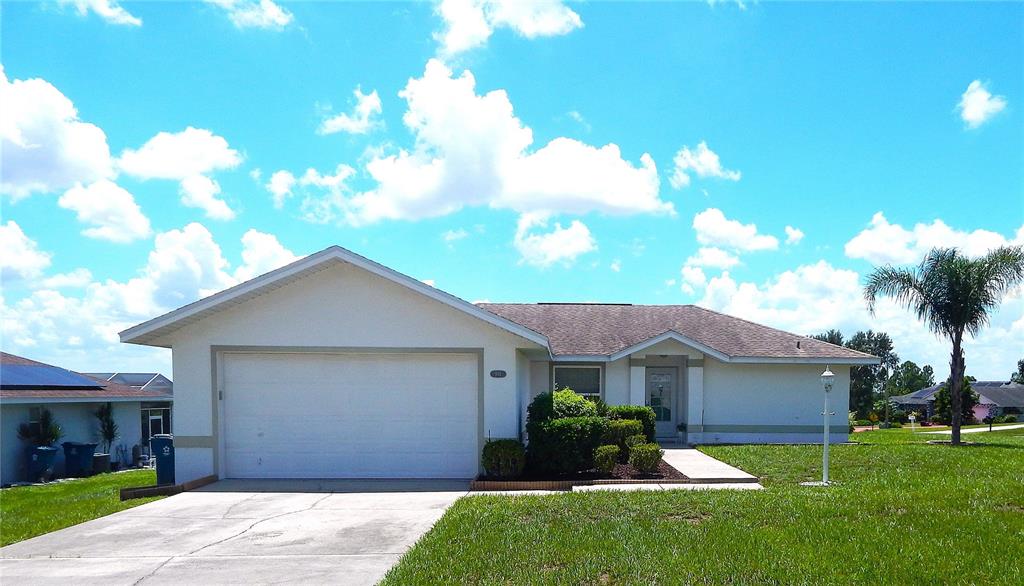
956,383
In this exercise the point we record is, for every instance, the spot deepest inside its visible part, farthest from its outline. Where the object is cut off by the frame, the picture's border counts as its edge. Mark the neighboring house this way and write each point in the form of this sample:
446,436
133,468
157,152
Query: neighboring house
28,386
994,398
336,366
156,415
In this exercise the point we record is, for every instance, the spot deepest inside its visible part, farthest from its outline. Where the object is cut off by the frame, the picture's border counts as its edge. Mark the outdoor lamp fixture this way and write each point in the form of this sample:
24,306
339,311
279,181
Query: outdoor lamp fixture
827,379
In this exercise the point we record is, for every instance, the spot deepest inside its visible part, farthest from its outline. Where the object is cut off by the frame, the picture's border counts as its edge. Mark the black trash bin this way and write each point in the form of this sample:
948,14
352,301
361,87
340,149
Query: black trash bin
162,447
78,459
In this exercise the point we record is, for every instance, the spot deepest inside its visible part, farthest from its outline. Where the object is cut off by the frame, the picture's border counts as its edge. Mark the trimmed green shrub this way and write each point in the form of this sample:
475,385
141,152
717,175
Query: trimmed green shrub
600,405
641,413
569,403
559,405
564,446
634,440
605,458
1008,418
504,458
645,457
619,430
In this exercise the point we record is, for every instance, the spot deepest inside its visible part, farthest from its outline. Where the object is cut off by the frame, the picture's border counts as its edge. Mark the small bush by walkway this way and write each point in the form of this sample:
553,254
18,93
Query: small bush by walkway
28,511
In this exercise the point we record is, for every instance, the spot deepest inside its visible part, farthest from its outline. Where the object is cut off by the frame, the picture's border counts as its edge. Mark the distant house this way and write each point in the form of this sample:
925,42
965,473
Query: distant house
994,398
156,415
28,386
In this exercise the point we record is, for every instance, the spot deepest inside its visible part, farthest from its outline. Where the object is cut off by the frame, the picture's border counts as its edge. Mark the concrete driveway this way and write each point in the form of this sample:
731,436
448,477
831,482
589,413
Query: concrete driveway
235,532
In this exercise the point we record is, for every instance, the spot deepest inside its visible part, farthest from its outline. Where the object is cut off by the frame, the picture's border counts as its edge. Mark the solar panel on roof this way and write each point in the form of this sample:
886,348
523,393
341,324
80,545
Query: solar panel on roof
134,379
43,376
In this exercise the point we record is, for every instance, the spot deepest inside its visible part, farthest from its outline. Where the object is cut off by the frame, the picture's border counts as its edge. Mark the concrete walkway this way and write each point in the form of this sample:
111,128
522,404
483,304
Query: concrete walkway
239,533
980,429
701,467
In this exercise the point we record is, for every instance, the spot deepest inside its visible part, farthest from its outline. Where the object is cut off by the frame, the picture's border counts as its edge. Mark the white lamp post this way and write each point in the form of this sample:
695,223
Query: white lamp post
826,382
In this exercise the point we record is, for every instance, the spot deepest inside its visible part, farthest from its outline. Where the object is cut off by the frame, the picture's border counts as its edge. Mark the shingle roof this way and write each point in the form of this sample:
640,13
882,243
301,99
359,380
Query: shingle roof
584,329
97,389
997,392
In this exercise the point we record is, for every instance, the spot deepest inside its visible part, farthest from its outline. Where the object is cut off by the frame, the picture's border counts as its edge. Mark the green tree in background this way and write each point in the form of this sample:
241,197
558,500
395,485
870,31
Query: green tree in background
908,377
1018,377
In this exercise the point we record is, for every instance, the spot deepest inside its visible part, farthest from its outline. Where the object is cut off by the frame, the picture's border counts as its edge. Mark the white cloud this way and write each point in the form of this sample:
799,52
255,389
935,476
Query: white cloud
360,121
472,150
110,209
450,236
263,14
109,10
794,235
693,277
199,191
187,156
469,23
280,187
261,253
817,297
977,105
886,243
714,229
178,155
75,330
21,258
702,161
561,245
709,256
75,279
616,265
44,147
576,116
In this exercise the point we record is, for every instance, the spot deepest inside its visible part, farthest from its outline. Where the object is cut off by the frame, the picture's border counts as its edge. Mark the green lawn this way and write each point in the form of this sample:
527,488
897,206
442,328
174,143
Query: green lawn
904,512
28,511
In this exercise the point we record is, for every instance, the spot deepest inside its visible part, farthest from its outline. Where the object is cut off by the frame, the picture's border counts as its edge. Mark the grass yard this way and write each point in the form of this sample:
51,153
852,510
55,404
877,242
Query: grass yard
905,512
28,511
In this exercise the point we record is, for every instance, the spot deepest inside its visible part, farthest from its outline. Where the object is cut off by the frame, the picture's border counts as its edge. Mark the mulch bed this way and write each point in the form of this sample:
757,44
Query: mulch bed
620,472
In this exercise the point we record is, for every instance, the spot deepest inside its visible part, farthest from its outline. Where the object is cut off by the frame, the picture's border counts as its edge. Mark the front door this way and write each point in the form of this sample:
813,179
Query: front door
661,395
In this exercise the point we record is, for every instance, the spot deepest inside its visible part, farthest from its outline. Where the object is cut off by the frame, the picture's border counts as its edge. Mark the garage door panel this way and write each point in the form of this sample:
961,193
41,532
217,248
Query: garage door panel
350,415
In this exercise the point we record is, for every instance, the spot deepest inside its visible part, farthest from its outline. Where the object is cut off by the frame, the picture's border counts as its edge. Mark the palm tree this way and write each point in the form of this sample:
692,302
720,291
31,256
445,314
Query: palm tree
952,294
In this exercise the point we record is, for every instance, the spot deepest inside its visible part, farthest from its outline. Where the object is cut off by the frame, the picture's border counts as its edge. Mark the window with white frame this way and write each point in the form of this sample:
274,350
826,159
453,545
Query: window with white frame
585,380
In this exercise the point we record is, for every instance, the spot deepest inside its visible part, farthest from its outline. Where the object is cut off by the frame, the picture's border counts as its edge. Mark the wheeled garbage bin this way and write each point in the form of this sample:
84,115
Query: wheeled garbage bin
162,447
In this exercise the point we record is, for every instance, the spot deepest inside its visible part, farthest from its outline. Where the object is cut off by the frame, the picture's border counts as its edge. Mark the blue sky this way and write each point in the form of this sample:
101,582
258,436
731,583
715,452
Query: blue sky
762,157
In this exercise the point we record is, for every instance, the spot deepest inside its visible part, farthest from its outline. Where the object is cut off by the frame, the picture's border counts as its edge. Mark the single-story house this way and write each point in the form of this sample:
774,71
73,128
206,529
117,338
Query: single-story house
336,366
28,386
156,415
994,398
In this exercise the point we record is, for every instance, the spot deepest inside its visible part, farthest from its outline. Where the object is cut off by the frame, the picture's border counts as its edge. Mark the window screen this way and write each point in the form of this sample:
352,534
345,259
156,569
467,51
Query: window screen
585,380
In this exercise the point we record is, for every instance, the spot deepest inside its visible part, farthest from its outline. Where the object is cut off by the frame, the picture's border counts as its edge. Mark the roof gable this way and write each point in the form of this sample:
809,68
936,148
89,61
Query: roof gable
151,332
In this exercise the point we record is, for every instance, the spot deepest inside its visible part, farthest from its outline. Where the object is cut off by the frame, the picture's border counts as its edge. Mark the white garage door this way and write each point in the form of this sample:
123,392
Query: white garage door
350,415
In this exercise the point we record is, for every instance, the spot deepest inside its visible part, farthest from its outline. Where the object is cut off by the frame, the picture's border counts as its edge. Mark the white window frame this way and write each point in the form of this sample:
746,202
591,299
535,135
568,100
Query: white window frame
600,378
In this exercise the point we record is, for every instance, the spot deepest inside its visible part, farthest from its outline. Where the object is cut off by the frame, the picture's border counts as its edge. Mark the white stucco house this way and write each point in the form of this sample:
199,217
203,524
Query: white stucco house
335,366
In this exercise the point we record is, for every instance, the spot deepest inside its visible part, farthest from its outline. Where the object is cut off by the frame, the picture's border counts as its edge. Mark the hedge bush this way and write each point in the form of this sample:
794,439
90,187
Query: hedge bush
504,458
564,446
619,430
605,458
559,405
1008,418
645,457
643,414
634,440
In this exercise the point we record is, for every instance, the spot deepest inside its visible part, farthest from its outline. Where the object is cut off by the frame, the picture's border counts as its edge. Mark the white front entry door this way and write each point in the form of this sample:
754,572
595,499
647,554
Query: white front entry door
661,396
350,415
